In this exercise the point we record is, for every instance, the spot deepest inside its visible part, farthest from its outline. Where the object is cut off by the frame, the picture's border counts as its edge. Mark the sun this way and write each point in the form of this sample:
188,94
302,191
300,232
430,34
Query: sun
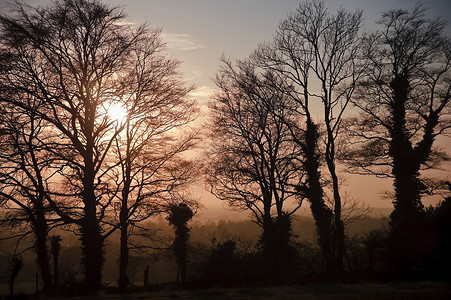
116,112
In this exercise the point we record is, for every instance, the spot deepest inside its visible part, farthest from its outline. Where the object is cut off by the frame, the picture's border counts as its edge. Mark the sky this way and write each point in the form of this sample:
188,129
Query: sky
199,32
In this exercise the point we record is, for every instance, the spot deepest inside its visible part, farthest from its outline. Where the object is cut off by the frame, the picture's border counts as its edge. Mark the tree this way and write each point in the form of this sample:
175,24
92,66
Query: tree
405,102
441,219
149,151
24,177
76,58
55,249
16,266
179,215
67,56
317,54
252,163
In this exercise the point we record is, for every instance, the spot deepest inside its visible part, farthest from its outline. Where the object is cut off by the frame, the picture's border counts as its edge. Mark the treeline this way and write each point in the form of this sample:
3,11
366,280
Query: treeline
206,238
321,99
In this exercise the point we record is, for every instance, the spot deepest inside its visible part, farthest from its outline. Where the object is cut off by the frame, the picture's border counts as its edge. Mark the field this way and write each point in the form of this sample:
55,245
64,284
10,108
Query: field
400,290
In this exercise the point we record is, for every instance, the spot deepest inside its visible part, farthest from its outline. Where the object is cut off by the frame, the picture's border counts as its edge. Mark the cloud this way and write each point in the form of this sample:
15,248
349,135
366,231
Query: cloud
181,41
202,94
125,23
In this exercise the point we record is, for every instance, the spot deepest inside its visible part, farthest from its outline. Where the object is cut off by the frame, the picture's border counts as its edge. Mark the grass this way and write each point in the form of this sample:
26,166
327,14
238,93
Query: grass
27,287
398,290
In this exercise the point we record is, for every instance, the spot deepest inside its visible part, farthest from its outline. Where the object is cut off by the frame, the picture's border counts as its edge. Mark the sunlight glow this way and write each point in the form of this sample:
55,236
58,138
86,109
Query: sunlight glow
117,112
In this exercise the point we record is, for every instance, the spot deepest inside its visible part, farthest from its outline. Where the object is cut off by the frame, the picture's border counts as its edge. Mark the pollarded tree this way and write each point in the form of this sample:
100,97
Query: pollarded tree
252,163
318,54
405,102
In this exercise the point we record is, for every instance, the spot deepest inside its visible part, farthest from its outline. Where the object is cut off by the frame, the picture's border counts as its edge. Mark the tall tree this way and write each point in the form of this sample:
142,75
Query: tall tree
252,162
318,54
405,99
77,58
25,175
149,151
66,55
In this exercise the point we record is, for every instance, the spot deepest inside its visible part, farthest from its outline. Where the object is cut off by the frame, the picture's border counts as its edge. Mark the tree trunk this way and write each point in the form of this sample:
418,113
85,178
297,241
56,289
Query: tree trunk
183,267
123,222
123,259
92,241
42,253
407,214
93,253
339,234
314,192
338,223
55,250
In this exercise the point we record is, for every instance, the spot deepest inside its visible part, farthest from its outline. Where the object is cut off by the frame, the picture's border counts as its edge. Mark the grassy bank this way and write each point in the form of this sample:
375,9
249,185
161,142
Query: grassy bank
398,290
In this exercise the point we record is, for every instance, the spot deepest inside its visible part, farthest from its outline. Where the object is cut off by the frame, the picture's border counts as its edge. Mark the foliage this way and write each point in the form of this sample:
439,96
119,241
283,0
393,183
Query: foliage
179,215
405,99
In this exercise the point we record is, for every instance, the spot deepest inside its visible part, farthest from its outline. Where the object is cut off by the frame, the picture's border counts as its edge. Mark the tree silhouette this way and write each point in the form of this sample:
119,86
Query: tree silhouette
221,263
252,163
16,266
441,216
55,249
179,215
24,176
405,99
58,61
75,59
316,56
150,166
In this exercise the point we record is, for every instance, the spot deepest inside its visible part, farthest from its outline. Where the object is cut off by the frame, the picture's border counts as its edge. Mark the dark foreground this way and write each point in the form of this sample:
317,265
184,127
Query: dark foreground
399,290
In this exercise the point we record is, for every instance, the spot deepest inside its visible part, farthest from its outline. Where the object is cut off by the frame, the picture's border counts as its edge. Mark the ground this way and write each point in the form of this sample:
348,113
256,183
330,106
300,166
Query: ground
398,290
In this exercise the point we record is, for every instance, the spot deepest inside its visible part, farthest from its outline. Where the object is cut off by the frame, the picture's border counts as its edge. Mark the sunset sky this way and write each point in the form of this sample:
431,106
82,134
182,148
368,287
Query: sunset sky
198,32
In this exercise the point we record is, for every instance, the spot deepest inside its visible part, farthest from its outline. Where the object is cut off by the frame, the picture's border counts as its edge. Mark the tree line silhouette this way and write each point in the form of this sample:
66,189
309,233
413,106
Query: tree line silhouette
321,97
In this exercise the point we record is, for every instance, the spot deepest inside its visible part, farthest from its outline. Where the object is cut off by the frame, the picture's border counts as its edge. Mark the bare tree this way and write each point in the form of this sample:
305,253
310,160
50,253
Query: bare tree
405,102
318,54
24,177
252,163
149,151
76,58
66,56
